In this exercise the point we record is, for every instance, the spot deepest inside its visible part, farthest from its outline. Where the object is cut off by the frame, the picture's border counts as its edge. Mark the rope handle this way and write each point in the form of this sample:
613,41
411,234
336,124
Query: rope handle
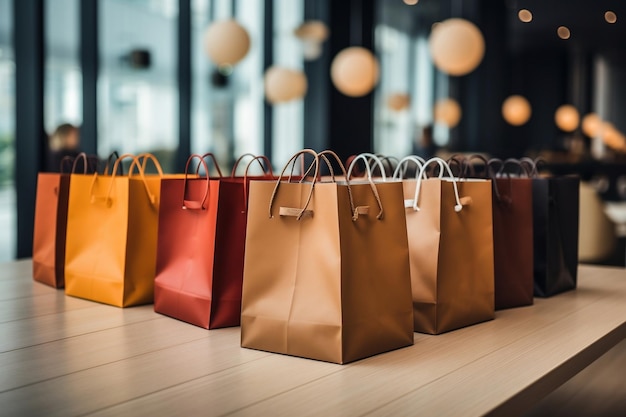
193,204
107,198
113,156
68,161
245,175
135,163
523,168
215,164
143,158
355,210
367,158
267,167
401,167
532,166
390,161
88,163
422,175
299,213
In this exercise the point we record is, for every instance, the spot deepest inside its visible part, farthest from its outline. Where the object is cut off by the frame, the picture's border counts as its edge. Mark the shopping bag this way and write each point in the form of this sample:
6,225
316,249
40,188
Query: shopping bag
513,237
326,272
512,228
112,234
200,250
51,219
450,236
556,208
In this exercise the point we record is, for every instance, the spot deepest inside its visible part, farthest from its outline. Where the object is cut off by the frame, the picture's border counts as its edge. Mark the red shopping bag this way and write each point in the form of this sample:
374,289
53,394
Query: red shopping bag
200,250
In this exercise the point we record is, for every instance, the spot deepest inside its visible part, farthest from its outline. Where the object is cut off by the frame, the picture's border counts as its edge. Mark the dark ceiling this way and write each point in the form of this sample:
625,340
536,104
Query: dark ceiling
584,19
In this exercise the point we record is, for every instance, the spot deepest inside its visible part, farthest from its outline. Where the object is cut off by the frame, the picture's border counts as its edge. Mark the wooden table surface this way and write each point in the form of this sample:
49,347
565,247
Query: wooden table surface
64,356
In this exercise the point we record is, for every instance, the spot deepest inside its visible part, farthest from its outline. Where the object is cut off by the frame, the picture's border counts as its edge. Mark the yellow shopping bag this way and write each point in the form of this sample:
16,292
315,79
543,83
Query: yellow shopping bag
111,238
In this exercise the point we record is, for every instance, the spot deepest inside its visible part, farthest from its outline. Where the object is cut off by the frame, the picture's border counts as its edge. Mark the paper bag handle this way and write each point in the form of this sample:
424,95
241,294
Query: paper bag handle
265,168
443,165
401,168
135,163
88,163
215,164
113,156
193,204
68,161
245,175
367,158
107,198
143,158
289,211
355,210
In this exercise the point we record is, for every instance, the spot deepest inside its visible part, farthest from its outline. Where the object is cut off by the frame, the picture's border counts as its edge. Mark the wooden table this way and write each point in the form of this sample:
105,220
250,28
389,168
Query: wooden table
63,356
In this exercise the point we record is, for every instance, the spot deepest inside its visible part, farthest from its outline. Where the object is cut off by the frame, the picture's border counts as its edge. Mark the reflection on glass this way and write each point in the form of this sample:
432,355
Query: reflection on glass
287,118
7,133
227,105
63,79
402,45
137,87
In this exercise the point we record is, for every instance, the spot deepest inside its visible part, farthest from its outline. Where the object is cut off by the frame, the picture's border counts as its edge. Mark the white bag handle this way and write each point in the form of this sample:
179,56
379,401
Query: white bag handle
400,170
367,158
422,175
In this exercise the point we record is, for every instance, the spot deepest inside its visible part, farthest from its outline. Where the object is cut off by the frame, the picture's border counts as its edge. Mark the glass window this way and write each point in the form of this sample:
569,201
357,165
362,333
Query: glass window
287,123
7,133
137,85
227,103
63,79
394,129
406,71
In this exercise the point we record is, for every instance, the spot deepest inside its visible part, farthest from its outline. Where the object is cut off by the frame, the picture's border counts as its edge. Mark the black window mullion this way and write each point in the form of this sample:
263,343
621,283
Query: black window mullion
30,136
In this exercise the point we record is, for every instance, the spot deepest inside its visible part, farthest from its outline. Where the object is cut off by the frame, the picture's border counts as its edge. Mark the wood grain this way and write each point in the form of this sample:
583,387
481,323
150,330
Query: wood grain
63,356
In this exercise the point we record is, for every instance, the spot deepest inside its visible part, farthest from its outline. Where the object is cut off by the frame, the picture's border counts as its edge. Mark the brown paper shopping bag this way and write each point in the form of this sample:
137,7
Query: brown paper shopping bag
112,234
449,227
512,227
326,272
513,237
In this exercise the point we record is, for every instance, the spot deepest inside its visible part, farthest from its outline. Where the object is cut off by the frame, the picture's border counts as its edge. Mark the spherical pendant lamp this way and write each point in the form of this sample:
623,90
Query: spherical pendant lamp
312,30
448,112
457,46
591,124
312,33
284,84
226,42
567,118
516,110
398,101
354,71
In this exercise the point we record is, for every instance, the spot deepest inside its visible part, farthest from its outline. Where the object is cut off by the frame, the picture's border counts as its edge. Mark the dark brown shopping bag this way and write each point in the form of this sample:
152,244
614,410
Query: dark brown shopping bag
200,250
449,225
51,219
512,227
326,272
513,237
556,208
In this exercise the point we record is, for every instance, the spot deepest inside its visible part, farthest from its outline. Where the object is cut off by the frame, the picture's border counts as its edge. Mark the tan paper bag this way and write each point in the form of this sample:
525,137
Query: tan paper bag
449,227
326,272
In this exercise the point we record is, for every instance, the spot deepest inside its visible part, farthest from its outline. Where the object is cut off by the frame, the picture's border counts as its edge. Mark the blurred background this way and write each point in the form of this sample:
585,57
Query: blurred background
506,78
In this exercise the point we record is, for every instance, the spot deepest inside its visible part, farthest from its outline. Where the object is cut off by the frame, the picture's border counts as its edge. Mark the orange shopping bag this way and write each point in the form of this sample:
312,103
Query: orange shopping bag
51,220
